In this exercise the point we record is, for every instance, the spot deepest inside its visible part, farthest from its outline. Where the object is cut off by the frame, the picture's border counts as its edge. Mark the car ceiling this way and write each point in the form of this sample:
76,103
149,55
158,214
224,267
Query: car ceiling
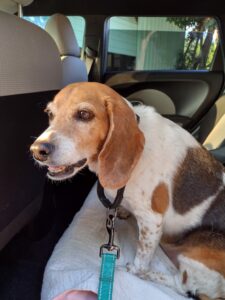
118,7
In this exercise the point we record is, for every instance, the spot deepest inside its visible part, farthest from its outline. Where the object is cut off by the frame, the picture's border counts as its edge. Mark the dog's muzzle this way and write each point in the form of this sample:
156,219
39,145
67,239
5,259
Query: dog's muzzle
41,151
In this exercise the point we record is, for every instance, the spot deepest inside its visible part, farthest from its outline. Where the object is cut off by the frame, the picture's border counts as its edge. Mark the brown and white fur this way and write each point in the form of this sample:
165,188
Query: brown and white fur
174,187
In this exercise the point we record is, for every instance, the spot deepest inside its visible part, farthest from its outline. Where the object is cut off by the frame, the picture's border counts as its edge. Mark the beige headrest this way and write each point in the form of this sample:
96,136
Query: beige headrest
11,6
60,28
29,59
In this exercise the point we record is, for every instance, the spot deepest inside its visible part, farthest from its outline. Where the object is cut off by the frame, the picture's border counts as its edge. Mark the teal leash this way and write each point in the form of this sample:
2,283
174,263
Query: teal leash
106,279
108,252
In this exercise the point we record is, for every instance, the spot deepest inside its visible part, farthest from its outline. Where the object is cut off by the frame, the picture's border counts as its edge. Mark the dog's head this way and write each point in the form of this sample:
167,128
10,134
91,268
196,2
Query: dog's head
90,124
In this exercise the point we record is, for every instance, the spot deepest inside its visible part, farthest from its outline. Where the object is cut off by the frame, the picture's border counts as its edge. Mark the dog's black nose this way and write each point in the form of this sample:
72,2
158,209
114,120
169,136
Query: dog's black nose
41,151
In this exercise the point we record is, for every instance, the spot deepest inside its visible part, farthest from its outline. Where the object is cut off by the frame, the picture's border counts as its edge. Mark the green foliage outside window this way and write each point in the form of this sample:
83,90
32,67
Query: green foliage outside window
200,43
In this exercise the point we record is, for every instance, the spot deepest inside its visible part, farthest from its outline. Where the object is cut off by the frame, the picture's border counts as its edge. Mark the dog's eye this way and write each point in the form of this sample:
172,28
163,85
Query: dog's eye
84,115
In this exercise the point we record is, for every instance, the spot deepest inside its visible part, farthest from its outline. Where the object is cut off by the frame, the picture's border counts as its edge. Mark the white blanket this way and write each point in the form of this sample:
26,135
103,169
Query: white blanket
75,262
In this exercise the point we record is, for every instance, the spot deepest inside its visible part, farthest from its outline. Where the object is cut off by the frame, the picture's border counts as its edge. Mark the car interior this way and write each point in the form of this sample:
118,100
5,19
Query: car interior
163,54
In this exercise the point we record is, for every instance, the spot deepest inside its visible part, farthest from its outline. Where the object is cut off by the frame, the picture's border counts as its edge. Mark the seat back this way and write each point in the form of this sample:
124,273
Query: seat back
30,75
74,69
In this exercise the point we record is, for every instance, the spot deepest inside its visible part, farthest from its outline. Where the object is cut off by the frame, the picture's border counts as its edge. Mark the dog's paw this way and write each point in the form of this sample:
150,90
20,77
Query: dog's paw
145,276
123,213
153,276
131,268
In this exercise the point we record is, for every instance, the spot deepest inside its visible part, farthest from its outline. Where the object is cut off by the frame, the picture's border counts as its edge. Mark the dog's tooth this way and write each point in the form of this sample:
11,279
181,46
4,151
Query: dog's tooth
56,169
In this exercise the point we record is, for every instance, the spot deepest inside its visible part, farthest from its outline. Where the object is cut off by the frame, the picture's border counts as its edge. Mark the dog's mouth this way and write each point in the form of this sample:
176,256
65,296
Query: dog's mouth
64,172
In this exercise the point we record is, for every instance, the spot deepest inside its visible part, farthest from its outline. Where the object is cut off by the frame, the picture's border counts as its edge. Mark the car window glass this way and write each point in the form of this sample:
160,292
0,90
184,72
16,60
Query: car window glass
161,43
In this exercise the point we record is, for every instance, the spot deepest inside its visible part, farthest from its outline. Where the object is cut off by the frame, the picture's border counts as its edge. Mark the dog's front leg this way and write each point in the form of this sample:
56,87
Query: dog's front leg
150,232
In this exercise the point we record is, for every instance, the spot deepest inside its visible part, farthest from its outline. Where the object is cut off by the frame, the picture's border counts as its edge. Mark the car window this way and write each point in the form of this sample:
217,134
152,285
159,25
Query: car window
161,43
77,22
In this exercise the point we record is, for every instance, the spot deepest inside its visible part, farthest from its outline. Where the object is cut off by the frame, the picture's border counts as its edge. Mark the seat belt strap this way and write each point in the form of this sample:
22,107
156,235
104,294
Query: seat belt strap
89,63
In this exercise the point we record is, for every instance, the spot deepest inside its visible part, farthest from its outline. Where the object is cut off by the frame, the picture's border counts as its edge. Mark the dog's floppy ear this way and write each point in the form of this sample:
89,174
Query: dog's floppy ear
123,145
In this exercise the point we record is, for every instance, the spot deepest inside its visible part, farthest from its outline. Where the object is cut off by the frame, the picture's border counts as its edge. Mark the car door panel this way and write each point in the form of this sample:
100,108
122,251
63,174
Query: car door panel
192,93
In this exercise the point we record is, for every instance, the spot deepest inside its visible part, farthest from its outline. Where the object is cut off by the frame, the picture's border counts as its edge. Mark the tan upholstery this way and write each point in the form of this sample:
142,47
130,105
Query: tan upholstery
29,60
213,125
159,100
60,28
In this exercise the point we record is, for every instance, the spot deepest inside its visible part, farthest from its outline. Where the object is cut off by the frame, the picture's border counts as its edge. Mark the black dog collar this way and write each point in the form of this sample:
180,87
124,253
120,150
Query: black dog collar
105,201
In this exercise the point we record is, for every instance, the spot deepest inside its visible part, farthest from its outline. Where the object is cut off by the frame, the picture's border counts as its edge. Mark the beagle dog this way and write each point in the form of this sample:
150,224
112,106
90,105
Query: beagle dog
174,187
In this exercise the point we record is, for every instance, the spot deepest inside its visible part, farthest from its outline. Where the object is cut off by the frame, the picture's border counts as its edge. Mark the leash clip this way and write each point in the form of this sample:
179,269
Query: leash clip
110,226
